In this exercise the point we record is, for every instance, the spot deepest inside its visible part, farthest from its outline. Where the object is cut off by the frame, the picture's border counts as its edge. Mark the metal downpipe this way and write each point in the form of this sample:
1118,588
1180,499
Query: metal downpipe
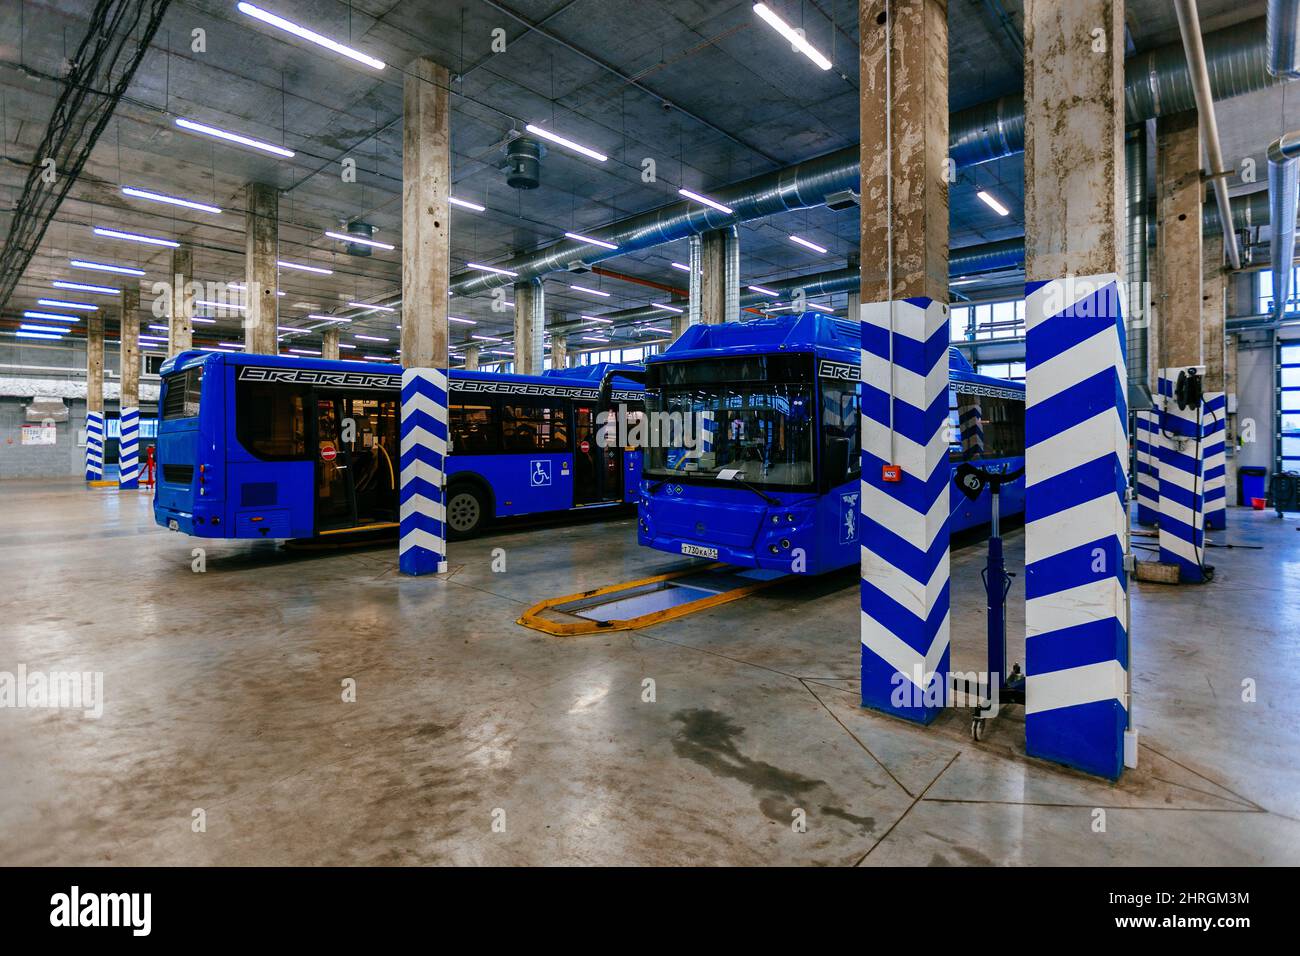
1137,308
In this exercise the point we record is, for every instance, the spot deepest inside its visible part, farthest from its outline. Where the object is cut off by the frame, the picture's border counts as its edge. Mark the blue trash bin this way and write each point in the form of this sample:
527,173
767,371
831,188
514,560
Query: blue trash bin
1250,484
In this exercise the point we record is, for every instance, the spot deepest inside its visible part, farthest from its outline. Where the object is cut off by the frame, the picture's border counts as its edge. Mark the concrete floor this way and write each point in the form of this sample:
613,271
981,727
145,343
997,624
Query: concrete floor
223,692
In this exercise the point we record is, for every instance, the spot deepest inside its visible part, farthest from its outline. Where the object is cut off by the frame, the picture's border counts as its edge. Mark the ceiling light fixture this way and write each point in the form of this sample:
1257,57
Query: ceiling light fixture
667,307
579,237
466,204
43,328
706,200
819,308
61,304
51,316
37,335
680,265
172,200
483,268
568,143
302,268
457,318
257,13
794,36
583,288
993,204
135,237
327,318
344,237
761,290
809,245
83,287
370,338
206,130
372,307
594,338
596,318
487,338
105,267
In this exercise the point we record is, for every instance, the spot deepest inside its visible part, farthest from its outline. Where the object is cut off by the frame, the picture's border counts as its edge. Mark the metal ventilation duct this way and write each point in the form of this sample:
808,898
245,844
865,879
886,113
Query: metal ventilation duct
1283,173
1158,82
1282,35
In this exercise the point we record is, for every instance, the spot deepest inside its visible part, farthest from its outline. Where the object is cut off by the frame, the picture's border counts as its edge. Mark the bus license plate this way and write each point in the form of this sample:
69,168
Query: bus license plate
699,552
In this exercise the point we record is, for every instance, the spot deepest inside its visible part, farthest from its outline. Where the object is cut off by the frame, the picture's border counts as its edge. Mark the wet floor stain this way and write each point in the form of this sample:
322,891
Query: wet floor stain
709,738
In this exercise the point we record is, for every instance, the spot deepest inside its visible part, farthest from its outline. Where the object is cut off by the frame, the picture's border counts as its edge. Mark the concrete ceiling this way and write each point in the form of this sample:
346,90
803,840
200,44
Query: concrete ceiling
717,97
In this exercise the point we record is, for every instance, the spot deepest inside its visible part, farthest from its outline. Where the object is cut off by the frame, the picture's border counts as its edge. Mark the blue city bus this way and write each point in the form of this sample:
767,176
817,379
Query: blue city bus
775,474
266,446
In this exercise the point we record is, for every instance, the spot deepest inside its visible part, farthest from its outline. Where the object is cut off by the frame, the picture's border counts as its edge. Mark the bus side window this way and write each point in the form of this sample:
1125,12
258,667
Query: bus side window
841,425
270,419
475,429
534,425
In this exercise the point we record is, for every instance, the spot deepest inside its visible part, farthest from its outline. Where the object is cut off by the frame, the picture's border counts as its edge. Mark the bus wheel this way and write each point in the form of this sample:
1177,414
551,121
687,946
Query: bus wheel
465,511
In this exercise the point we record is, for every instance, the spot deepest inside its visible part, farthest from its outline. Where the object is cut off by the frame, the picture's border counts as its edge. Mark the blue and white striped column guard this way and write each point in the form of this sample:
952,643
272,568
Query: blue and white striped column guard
1214,428
904,572
1182,469
422,545
94,446
128,449
1076,480
1146,443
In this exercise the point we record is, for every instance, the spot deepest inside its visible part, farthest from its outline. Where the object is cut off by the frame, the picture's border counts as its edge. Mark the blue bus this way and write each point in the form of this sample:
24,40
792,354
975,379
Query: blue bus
266,446
775,473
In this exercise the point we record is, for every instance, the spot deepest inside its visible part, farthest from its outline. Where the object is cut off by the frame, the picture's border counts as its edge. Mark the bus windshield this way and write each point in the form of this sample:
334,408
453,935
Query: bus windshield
761,434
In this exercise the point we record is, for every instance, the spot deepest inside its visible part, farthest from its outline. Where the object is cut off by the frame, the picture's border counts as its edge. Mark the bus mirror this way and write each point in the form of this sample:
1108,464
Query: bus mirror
837,460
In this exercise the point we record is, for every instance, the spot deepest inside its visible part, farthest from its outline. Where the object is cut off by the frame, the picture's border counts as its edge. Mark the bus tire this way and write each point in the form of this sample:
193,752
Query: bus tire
467,511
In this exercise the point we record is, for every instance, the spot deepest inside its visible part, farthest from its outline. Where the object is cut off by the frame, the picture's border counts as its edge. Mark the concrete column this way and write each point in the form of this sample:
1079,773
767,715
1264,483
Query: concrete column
530,322
426,275
95,396
713,277
1178,211
903,507
329,343
1214,311
180,314
855,294
680,324
559,351
128,454
1179,194
261,274
471,358
1076,416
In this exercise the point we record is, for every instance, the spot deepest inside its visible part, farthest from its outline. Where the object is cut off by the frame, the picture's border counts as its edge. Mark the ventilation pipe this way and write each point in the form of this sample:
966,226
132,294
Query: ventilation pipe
1282,35
1283,160
1138,307
696,263
1189,26
731,274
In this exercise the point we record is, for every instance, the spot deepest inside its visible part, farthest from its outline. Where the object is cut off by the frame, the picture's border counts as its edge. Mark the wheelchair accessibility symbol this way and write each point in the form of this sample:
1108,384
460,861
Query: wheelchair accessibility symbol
539,473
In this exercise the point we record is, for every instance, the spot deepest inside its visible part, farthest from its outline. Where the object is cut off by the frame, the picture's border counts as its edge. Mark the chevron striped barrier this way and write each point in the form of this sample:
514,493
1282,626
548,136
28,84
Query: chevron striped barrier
1182,491
971,422
1076,479
128,449
94,446
1146,444
904,544
1214,428
422,544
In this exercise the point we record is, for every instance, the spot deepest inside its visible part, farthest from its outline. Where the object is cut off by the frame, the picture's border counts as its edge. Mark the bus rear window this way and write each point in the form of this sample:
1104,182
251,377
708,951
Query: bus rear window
183,392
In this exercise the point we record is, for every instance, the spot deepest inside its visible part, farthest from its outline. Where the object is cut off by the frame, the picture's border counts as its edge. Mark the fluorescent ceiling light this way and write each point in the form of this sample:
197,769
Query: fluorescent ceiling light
483,268
372,307
809,245
61,304
327,318
204,320
220,305
302,268
682,266
135,237
370,338
487,338
570,144
37,335
457,318
105,267
594,338
819,308
964,282
761,290
305,351
173,200
83,287
596,318
654,328
52,317
289,26
583,288
792,35
346,345
160,328
667,307
152,338
377,358
466,204
344,237
706,200
579,237
43,328
233,137
993,204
